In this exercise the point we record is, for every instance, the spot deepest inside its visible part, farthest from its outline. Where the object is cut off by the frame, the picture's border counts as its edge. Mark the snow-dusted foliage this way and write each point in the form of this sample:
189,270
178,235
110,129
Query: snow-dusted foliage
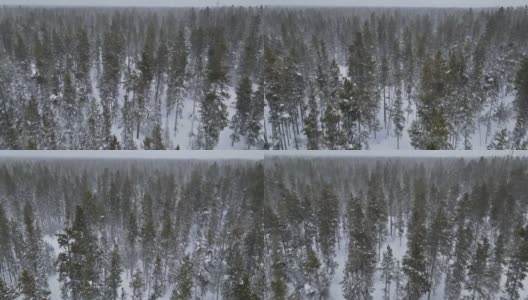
397,228
283,228
263,78
131,229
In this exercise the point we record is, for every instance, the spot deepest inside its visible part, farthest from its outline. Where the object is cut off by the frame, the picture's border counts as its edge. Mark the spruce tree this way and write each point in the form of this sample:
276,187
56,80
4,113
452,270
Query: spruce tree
237,286
113,279
184,281
34,254
240,121
254,126
79,263
29,289
176,77
311,124
278,286
114,144
517,265
496,265
360,97
32,124
137,285
361,261
501,141
316,285
478,271
456,274
157,281
273,87
332,136
387,271
213,107
376,210
398,117
414,261
155,141
430,130
521,107
327,214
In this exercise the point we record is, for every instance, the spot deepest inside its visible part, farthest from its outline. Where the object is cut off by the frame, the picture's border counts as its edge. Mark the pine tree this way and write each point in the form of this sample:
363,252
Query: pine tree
387,271
317,281
517,265
176,77
137,285
127,134
311,124
292,98
155,142
254,126
114,144
132,234
29,289
79,263
49,129
398,117
184,281
361,262
360,97
113,279
237,286
111,49
327,213
92,133
279,288
376,210
250,53
168,237
478,271
5,235
332,136
239,123
456,274
34,254
69,110
158,282
521,107
32,124
213,107
148,235
273,87
142,86
414,264
437,235
496,265
161,59
83,56
501,141
430,131
398,280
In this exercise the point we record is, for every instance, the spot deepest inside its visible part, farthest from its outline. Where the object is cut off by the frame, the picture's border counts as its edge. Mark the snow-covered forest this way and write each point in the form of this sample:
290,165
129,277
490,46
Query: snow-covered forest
286,227
263,78
396,228
130,229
